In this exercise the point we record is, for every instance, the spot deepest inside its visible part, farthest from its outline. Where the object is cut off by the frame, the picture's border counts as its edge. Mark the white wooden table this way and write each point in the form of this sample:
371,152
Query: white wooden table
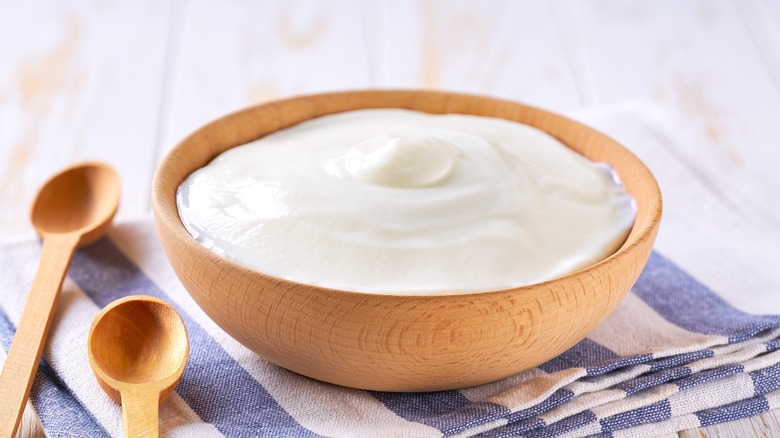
124,81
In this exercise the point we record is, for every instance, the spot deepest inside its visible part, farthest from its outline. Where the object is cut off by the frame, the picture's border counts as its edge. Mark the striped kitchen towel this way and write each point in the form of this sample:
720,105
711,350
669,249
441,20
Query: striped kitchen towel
675,354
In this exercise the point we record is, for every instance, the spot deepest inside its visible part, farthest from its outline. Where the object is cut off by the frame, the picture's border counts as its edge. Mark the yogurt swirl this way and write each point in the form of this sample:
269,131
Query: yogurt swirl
398,161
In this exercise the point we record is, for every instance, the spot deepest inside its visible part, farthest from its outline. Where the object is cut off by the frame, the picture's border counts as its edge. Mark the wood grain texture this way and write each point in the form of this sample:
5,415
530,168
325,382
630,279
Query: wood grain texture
75,207
78,80
138,349
400,343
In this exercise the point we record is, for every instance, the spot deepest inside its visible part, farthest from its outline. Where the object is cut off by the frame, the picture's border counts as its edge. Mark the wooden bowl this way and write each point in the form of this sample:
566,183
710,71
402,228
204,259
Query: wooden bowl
401,343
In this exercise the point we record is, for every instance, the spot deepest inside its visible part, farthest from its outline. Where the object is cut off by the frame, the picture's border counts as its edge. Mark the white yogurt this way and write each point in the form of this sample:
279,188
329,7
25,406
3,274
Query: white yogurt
408,203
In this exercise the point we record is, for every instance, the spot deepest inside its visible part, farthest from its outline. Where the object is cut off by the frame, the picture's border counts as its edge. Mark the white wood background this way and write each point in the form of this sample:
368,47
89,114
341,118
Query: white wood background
124,81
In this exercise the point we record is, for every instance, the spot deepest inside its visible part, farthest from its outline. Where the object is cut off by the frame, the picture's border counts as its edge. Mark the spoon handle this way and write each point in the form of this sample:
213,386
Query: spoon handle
140,409
33,329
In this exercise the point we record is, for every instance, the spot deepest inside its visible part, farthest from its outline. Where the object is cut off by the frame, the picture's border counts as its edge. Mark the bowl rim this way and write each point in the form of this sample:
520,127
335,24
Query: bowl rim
165,209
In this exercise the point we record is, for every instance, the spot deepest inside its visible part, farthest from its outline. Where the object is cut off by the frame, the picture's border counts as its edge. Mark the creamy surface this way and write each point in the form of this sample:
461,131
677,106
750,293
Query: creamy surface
402,202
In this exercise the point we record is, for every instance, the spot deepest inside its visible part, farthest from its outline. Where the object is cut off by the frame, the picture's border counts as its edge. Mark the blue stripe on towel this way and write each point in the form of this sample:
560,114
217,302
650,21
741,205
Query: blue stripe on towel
449,411
55,403
516,429
766,380
558,398
734,411
646,381
680,359
687,303
708,375
618,363
651,413
214,385
772,345
584,354
564,426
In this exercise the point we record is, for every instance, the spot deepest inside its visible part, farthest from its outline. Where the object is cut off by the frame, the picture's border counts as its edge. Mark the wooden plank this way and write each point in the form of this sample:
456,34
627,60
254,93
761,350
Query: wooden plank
71,89
697,60
234,54
507,49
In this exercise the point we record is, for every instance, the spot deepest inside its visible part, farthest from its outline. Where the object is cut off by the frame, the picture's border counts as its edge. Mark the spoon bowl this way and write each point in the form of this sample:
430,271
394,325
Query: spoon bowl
138,349
82,199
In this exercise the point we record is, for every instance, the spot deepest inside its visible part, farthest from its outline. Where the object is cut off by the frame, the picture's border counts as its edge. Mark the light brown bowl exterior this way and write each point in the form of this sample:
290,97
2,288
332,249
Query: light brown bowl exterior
401,343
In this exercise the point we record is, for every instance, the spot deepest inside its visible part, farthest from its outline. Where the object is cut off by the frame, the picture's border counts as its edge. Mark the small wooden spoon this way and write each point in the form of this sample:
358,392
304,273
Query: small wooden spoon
138,348
74,208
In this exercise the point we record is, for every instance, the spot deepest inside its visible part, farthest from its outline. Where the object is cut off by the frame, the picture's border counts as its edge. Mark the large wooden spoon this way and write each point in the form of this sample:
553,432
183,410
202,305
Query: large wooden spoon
138,349
74,208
